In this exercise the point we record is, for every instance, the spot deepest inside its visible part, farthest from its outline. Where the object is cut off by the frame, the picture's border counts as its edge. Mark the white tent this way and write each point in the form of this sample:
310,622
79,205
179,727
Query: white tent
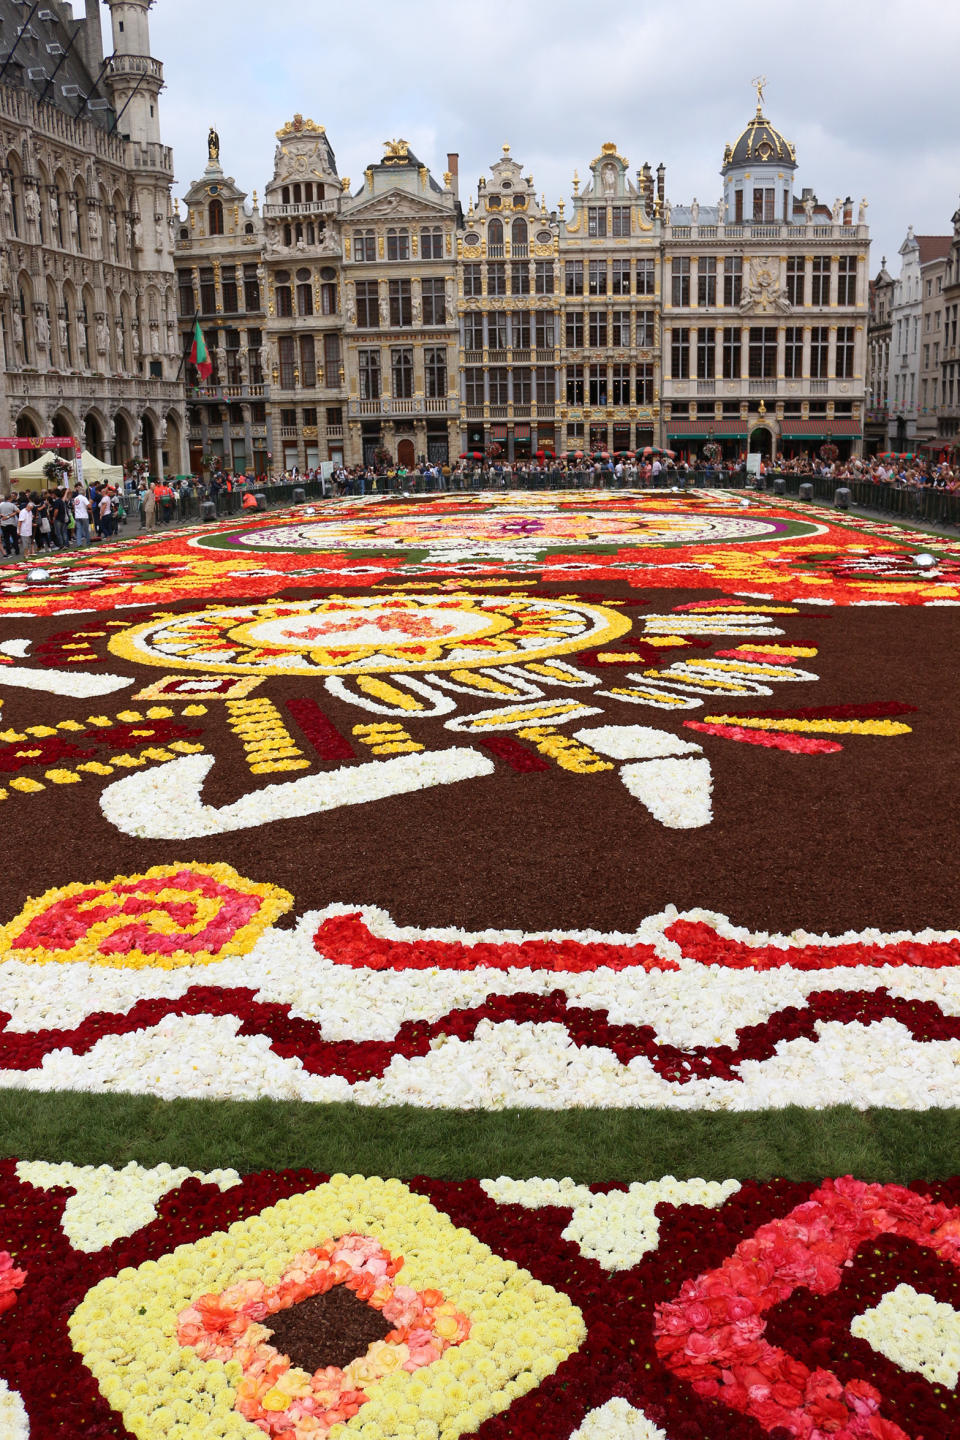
93,470
100,471
34,471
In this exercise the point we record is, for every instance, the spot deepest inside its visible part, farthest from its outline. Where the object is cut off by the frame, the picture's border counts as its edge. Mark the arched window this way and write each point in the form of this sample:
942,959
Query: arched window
495,237
25,326
518,234
304,293
215,217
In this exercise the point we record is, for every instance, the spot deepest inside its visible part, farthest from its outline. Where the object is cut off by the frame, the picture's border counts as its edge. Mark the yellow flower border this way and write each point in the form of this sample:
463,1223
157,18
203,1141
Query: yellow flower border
274,902
126,645
521,1330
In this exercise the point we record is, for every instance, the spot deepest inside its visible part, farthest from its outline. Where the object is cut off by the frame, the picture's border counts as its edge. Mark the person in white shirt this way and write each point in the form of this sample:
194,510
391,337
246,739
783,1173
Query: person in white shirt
28,545
9,514
81,514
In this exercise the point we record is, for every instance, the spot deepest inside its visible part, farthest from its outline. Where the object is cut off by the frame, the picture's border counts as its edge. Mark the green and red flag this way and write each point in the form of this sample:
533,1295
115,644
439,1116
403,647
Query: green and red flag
199,355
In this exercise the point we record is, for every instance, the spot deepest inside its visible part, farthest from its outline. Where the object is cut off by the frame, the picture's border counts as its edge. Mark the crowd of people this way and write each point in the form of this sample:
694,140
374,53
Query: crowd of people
63,517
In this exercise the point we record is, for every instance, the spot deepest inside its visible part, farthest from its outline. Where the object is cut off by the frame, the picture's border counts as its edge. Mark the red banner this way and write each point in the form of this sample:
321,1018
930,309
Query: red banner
37,442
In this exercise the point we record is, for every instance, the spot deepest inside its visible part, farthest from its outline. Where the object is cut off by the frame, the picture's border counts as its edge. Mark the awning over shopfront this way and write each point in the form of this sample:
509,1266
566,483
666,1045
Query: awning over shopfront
819,429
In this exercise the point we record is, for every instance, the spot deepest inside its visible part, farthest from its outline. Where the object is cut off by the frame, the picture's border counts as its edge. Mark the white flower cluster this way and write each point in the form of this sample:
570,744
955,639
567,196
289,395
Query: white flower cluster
107,1203
14,1424
916,1332
619,1228
617,1420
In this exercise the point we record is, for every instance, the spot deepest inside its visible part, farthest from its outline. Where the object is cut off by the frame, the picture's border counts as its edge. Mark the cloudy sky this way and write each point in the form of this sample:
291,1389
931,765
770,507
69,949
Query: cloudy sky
865,91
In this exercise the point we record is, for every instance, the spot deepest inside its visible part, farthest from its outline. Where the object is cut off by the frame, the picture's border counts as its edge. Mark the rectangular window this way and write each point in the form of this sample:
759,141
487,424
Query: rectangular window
732,280
645,277
573,277
364,246
764,206
472,282
620,385
368,362
288,362
231,340
368,304
251,288
401,303
308,363
731,352
598,328
762,358
543,277
522,386
473,386
574,384
331,360
305,299
328,297
435,371
496,279
819,349
499,385
820,280
398,244
434,302
619,221
796,266
621,277
644,384
598,277
620,329
520,278
644,329
187,303
680,354
597,222
431,243
401,373
845,337
545,330
521,330
208,291
706,353
574,330
254,339
707,280
284,301
498,333
231,293
738,207
847,280
546,385
680,281
473,330
598,384
793,352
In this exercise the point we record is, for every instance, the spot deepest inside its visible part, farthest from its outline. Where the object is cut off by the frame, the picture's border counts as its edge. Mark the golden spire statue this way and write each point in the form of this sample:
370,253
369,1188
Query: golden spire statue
213,145
759,83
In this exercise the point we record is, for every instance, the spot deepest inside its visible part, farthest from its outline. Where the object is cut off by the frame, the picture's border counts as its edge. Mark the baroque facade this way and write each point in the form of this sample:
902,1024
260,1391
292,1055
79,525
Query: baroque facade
87,299
390,322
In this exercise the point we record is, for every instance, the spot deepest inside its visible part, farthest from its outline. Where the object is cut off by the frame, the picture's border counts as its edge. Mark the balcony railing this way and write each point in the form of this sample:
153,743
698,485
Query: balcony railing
494,252
309,207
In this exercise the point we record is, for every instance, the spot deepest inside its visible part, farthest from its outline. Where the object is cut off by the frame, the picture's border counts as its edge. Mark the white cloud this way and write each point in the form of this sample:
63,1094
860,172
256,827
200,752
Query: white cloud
864,89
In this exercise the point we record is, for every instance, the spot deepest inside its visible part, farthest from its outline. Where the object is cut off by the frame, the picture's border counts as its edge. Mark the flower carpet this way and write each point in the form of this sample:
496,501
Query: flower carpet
394,888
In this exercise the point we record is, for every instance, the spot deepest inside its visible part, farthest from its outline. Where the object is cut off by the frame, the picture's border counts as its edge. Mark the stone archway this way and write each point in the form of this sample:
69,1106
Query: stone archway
148,443
761,441
93,435
123,441
406,453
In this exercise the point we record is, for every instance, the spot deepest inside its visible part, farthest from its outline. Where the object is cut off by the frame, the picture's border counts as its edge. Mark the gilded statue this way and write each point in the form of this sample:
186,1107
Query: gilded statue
213,144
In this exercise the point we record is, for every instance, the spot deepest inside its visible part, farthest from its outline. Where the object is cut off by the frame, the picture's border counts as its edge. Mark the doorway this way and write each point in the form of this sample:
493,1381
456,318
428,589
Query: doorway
406,454
761,442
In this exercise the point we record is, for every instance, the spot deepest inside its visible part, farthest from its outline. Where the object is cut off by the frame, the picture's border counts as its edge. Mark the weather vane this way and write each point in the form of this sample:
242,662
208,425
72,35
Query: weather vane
759,83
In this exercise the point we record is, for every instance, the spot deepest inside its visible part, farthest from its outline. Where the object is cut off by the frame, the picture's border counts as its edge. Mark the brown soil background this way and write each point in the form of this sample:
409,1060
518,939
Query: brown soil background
866,837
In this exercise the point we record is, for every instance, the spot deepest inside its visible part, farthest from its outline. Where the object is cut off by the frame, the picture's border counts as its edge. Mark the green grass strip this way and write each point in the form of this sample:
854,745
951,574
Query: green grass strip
588,1145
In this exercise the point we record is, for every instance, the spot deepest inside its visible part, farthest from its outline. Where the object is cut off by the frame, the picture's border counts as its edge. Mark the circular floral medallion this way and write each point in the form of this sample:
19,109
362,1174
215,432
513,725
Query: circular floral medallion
172,915
510,529
350,635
